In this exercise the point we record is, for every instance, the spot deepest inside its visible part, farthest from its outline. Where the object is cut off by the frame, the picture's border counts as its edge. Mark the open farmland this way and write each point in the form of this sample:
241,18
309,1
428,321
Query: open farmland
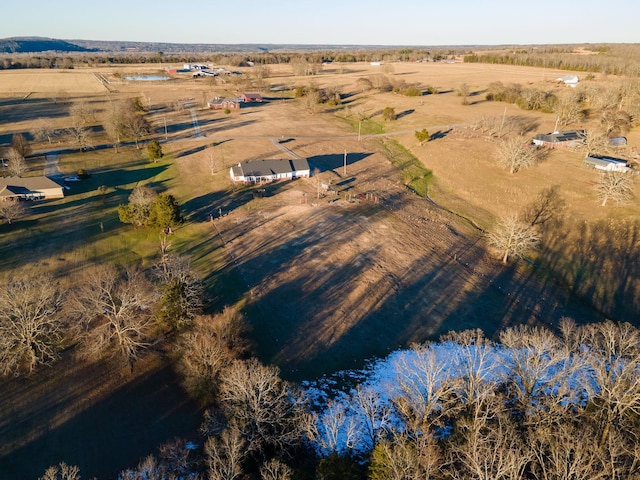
326,283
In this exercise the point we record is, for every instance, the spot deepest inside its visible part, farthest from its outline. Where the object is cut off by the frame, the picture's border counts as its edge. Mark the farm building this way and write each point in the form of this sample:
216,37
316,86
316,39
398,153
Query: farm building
29,188
608,164
566,138
223,103
251,97
259,171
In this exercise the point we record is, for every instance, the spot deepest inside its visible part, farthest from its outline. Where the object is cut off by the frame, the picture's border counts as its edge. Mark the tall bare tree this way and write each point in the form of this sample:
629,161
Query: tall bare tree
12,210
225,454
30,323
81,118
513,237
44,130
115,312
20,144
616,186
261,404
515,153
16,165
61,472
208,348
274,469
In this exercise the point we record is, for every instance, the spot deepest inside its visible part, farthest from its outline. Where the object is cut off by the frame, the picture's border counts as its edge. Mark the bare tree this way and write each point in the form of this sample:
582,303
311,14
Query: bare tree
515,153
274,469
16,163
212,162
61,472
424,398
115,312
557,454
513,237
12,210
261,404
537,373
374,416
44,130
545,208
615,122
614,359
489,450
568,108
30,325
334,430
595,141
20,144
616,186
81,116
225,455
208,348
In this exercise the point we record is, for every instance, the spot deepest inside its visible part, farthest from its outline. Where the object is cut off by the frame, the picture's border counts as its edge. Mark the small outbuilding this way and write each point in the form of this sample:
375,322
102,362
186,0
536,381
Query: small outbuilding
262,171
563,139
29,188
251,97
608,164
569,80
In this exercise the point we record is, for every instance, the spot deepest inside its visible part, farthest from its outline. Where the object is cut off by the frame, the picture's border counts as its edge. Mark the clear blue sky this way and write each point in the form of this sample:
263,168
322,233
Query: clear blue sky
378,22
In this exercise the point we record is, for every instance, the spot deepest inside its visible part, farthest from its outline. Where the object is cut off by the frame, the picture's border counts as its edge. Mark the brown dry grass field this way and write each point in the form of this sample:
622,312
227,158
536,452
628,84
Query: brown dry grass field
325,283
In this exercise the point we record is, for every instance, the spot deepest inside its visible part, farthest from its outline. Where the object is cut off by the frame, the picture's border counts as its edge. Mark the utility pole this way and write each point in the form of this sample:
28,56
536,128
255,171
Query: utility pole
359,127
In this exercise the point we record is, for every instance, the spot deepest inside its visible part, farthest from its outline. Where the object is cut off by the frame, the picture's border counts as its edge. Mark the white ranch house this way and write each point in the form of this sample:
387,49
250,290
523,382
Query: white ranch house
261,171
29,188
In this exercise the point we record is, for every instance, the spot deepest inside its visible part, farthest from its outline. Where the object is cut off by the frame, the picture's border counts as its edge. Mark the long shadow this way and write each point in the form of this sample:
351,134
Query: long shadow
439,134
115,433
333,161
405,113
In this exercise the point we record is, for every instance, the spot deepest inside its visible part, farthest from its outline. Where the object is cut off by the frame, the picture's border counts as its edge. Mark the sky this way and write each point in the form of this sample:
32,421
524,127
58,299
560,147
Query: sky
337,22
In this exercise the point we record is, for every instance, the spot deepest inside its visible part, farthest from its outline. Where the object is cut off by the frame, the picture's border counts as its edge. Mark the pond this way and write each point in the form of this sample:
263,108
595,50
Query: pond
146,78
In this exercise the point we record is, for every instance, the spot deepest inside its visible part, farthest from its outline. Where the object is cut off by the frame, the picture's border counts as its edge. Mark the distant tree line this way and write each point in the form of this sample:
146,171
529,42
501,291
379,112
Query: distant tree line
18,61
609,59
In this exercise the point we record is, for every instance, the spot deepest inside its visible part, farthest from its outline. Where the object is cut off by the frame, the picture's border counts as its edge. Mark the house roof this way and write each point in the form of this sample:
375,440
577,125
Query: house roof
267,168
254,96
11,186
559,137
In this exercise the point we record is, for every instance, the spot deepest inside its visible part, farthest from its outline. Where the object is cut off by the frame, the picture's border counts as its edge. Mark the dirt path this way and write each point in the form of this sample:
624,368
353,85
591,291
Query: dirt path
51,169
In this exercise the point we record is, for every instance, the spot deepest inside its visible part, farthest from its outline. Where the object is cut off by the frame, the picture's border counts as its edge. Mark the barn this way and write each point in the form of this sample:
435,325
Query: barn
251,97
563,139
261,171
608,164
29,188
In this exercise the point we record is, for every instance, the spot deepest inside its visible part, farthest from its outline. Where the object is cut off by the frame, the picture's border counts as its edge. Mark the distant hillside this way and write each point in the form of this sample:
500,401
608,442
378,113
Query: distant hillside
116,46
39,44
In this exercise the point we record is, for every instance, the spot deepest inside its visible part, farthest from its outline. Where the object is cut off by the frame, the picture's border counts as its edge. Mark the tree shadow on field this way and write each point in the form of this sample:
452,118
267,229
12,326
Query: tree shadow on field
101,438
439,135
600,262
333,161
405,113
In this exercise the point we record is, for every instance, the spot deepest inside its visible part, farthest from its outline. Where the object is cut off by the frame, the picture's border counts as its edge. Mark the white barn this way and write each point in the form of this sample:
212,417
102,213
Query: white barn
260,171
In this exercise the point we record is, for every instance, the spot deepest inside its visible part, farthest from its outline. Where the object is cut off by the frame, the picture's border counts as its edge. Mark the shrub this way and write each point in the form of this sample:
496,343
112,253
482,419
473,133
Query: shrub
155,150
422,135
227,111
82,173
412,92
389,113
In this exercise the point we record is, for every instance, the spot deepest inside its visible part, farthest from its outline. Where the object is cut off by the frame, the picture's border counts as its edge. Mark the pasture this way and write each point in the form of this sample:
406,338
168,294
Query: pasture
325,282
